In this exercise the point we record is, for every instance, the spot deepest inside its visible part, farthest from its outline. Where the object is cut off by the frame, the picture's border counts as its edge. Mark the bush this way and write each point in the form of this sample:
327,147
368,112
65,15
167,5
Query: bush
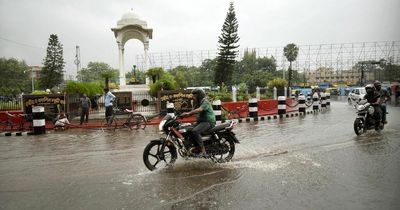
90,89
225,97
166,82
277,82
39,92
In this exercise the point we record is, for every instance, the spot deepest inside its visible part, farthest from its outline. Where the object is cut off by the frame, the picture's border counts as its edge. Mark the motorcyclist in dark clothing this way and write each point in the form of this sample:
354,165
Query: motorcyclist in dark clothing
384,97
205,118
373,97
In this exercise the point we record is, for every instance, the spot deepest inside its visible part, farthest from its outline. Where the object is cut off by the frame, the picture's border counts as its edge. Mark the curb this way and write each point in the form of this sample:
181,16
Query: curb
279,116
25,133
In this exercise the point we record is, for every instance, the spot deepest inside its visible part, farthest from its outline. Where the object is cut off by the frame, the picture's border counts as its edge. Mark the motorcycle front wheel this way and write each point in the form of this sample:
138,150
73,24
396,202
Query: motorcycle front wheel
226,152
155,157
359,126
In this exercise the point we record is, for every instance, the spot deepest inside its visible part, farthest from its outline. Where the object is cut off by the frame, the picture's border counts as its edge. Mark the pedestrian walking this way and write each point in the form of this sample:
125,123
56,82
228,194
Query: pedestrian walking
85,108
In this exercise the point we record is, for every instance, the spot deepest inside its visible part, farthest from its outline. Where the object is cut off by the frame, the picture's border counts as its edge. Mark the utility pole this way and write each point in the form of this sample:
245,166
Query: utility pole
77,60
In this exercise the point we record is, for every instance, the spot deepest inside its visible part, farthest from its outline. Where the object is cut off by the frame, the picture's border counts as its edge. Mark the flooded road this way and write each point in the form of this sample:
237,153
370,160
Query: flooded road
308,162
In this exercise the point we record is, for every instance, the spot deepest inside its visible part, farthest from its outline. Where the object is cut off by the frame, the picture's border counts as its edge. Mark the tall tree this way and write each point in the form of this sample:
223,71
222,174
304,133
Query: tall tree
52,72
96,72
14,76
290,51
227,48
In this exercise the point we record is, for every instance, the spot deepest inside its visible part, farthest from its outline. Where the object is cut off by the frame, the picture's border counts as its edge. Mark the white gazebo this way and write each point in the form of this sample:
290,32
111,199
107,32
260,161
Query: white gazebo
130,26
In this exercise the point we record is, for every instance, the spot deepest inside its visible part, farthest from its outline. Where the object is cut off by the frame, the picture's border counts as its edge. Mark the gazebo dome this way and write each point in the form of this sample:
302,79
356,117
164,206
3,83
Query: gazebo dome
130,18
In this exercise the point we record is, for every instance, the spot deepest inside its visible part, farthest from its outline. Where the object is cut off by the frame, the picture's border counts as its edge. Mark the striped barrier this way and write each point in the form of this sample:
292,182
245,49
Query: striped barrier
253,109
302,104
39,122
217,111
281,105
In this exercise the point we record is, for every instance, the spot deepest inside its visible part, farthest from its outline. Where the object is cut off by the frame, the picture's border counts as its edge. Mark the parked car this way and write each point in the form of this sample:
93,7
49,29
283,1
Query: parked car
332,91
356,94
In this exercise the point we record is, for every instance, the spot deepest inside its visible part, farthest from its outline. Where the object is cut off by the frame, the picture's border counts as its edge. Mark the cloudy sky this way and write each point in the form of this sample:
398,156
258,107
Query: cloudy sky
185,25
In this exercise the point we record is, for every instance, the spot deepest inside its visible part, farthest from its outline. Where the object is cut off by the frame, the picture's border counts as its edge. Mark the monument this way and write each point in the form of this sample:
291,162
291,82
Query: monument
130,26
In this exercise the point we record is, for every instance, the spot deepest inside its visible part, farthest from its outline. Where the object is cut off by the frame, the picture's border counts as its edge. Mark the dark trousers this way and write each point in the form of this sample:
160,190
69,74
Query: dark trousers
85,113
198,129
377,114
109,111
383,107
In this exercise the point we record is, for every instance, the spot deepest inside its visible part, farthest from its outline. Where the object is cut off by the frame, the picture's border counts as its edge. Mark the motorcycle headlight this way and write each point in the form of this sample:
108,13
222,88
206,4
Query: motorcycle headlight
371,110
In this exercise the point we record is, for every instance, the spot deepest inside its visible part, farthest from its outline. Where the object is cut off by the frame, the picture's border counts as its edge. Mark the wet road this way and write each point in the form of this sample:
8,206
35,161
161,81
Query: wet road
310,162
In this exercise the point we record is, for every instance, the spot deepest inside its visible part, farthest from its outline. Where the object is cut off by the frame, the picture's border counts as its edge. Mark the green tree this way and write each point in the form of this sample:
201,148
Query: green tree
94,70
227,48
14,76
52,72
155,73
290,51
181,75
98,72
165,82
254,71
107,75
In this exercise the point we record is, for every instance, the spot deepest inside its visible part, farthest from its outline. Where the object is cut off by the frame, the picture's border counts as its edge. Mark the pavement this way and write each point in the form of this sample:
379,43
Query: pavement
96,119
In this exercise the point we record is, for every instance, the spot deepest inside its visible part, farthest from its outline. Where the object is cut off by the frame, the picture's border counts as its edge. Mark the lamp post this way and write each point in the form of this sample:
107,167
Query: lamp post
134,74
33,86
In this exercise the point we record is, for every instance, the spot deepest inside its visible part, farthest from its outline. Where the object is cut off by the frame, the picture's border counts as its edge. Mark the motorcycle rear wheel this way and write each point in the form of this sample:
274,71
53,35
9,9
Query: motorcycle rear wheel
359,126
227,142
154,157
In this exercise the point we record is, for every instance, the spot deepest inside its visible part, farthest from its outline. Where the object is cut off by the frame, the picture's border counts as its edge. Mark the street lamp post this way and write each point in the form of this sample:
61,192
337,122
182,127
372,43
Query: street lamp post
33,86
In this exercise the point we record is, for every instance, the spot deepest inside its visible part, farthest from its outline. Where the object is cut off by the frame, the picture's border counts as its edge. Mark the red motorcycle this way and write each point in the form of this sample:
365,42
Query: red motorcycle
219,143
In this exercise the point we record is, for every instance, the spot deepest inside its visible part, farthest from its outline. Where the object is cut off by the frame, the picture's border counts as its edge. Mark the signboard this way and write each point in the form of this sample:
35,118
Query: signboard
124,99
182,100
53,103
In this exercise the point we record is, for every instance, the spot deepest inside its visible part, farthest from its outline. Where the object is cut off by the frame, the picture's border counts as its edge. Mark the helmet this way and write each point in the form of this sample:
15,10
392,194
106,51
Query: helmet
370,88
199,94
377,84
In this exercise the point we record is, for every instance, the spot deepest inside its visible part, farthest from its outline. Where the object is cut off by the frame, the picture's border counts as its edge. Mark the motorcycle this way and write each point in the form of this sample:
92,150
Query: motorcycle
219,143
366,119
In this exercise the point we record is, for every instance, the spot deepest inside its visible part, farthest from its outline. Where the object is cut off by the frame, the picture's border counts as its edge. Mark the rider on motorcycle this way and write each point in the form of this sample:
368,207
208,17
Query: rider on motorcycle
384,97
205,117
373,97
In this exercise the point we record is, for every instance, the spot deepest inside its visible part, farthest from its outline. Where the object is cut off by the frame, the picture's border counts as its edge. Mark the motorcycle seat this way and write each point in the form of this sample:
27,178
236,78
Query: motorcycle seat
217,128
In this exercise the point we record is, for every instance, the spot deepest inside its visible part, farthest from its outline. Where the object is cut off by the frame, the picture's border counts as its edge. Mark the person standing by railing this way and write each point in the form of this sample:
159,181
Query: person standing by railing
85,107
108,102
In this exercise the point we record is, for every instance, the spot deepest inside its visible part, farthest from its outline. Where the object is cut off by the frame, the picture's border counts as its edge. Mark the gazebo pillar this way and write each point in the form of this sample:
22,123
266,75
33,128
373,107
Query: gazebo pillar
122,80
146,59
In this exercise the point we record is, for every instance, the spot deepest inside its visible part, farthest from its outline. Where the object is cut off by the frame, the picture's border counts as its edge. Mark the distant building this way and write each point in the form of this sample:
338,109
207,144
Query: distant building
350,77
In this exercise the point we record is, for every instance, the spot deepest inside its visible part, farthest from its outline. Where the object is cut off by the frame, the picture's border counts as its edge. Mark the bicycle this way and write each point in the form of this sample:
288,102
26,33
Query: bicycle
134,120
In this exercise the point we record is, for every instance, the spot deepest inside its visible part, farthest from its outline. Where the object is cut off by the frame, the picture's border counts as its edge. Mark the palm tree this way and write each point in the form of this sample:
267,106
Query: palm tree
155,73
290,51
107,75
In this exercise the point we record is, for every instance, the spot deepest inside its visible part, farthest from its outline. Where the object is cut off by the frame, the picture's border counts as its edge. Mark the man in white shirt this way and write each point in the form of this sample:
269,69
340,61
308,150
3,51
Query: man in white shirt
108,102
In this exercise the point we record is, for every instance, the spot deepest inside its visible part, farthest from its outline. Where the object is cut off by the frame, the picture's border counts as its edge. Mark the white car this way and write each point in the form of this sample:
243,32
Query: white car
356,94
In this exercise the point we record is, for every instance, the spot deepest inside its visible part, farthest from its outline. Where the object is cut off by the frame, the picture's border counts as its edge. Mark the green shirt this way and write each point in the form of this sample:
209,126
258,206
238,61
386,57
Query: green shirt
207,115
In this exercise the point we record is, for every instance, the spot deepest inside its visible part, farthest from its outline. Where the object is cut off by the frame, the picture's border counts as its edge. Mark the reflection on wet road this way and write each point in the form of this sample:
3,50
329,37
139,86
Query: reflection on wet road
310,162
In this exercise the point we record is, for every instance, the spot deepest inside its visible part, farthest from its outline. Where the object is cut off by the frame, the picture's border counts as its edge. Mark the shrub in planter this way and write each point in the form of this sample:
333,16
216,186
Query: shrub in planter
280,84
